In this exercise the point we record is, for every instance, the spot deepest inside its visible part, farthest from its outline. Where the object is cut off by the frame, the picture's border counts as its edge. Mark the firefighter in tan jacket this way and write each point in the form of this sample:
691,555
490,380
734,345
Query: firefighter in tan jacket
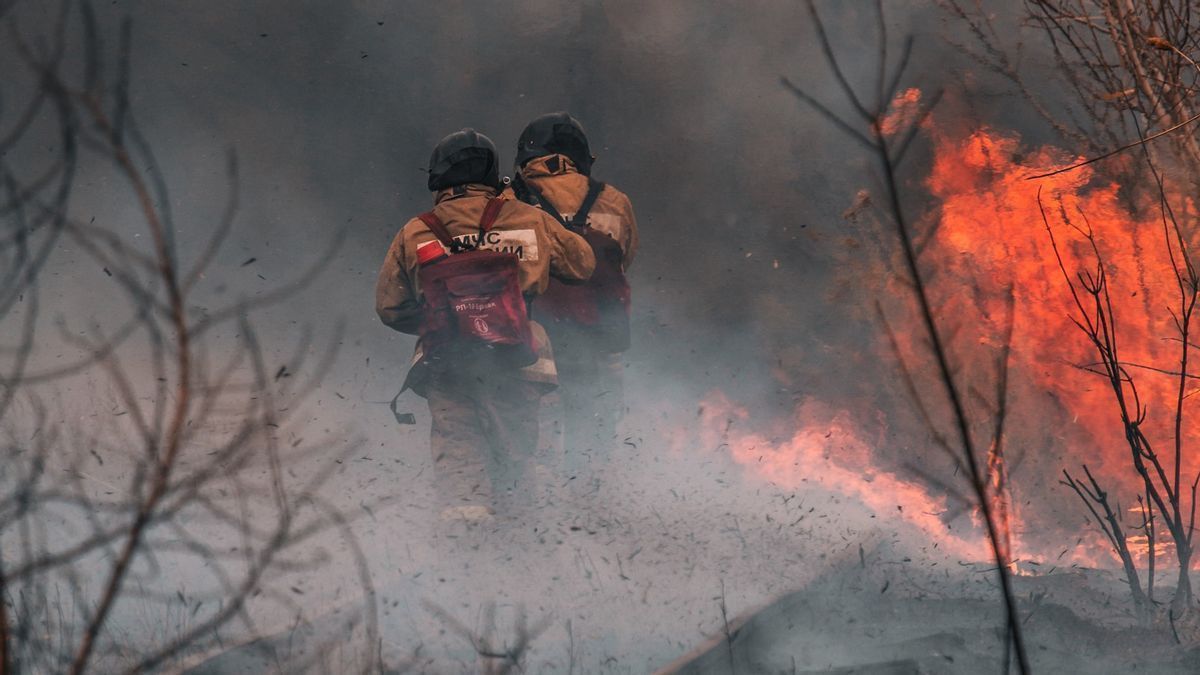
588,324
484,411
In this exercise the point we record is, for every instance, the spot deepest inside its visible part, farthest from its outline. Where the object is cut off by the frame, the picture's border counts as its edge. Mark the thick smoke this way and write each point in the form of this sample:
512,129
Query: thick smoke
744,282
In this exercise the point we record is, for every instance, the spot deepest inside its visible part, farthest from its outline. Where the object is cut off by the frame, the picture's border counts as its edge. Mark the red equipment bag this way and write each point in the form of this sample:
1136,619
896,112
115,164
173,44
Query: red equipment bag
599,307
473,300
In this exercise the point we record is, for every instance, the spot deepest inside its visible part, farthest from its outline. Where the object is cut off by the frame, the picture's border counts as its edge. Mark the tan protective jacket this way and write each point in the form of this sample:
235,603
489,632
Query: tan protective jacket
543,246
556,177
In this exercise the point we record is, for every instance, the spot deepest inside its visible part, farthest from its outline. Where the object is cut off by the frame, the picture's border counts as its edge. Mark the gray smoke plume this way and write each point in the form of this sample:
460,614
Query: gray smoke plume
743,283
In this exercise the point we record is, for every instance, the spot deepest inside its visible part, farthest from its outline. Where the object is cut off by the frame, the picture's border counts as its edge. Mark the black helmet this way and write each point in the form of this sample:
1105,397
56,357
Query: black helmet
555,133
465,156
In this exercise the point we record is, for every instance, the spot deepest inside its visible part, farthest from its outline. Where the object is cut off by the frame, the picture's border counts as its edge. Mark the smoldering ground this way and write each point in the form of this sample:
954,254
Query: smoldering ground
747,282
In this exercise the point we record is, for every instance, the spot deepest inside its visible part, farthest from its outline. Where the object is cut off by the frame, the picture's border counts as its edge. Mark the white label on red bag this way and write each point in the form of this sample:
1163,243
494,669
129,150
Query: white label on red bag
522,243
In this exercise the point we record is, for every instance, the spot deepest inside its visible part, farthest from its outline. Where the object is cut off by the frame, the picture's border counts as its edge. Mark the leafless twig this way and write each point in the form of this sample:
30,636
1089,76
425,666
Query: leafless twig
888,155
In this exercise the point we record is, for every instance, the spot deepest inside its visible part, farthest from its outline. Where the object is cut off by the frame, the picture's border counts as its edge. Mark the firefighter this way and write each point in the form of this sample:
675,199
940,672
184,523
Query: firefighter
483,404
588,324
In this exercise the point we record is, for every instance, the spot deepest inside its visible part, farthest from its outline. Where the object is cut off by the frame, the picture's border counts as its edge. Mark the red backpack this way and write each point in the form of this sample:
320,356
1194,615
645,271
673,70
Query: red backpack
598,307
473,299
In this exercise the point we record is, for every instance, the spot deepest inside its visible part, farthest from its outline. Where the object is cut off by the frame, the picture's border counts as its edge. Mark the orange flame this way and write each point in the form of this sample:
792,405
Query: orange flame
827,451
989,236
990,232
903,112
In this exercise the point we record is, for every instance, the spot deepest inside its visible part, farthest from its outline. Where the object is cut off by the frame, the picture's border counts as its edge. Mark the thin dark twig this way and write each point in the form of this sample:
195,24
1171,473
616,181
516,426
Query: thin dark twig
882,149
728,633
826,113
834,67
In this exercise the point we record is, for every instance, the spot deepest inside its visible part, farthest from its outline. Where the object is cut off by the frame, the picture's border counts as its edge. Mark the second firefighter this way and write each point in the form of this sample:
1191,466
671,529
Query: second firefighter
588,323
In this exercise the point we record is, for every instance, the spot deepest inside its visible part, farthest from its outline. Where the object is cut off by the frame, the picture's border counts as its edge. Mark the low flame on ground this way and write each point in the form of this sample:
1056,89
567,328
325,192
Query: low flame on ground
827,451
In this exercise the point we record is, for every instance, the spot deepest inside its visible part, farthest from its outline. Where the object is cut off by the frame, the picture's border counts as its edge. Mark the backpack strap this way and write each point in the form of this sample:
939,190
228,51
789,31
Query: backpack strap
443,235
579,220
438,229
595,187
490,212
536,199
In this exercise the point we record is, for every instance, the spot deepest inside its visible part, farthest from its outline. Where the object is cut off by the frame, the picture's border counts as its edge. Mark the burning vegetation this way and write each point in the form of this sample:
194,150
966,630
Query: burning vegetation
1028,423
1078,274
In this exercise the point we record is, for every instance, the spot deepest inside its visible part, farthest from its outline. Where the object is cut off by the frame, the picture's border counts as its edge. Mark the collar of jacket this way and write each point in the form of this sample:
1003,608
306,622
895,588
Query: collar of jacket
468,190
548,165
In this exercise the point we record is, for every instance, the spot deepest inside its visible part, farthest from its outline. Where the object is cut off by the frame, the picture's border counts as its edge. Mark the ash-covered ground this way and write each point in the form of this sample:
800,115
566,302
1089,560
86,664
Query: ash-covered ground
683,561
